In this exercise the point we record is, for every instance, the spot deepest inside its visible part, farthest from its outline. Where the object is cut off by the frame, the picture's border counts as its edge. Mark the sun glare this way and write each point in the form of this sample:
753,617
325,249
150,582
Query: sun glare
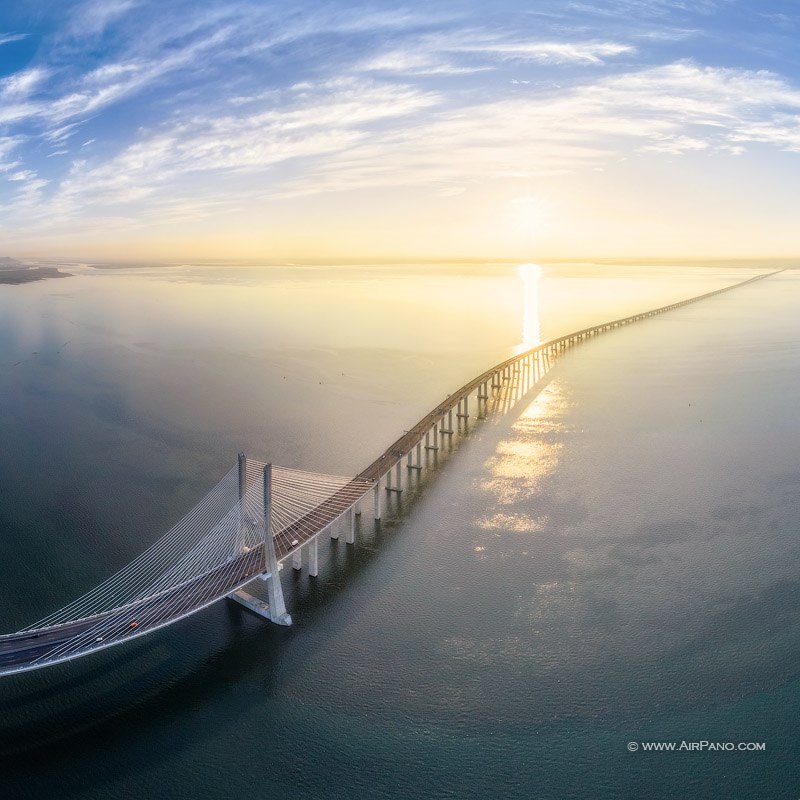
529,274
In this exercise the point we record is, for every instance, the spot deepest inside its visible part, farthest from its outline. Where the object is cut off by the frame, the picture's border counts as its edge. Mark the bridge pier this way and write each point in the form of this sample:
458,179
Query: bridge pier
313,557
435,445
275,610
377,498
447,431
350,536
242,490
398,487
297,559
277,606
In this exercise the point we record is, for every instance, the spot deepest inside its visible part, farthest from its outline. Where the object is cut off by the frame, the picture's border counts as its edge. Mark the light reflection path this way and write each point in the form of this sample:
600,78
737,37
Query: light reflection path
531,329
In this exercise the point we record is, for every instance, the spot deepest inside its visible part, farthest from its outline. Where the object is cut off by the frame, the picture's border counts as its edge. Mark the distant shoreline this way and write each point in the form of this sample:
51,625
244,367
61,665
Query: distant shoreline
15,277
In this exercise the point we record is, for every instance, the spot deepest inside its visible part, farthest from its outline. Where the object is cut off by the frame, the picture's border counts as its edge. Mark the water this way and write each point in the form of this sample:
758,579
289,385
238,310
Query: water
615,560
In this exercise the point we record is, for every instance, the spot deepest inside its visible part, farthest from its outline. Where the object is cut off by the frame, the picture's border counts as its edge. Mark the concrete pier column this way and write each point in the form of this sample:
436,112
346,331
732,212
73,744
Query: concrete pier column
377,499
432,438
242,475
313,557
277,606
418,465
357,509
398,479
333,530
350,536
297,559
447,428
242,490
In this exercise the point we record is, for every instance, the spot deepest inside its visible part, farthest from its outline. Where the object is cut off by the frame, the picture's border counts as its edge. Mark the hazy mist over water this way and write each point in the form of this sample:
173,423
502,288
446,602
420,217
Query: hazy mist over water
613,560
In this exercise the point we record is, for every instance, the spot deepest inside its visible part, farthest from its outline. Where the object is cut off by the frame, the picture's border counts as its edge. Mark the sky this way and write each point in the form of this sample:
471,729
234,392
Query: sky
536,130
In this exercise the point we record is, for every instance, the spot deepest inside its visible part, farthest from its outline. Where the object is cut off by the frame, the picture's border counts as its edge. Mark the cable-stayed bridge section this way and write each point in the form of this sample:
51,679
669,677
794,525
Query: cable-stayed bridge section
260,515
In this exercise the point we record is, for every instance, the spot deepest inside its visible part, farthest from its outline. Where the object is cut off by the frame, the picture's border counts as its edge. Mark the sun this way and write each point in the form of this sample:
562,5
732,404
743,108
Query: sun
529,272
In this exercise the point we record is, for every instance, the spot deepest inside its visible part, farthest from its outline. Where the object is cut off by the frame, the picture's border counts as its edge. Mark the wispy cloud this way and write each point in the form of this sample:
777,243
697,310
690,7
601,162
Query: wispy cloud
93,17
5,38
589,52
111,83
314,121
467,51
7,146
23,175
674,109
22,84
639,9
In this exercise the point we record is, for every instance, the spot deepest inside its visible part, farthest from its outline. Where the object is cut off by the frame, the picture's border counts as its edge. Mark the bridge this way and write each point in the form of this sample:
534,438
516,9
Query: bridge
261,515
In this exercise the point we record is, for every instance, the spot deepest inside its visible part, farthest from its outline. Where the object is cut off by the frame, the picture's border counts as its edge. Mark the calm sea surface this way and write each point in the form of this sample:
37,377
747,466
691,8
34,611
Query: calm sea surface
614,560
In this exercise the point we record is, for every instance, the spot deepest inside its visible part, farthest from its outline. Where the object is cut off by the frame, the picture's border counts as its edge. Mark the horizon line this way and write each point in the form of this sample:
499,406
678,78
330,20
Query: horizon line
416,260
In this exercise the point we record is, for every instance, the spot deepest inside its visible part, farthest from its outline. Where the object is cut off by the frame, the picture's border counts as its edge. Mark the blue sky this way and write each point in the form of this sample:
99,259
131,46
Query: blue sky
511,130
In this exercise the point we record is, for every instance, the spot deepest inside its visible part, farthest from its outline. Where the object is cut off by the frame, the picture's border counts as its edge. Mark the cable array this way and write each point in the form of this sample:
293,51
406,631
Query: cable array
303,503
216,547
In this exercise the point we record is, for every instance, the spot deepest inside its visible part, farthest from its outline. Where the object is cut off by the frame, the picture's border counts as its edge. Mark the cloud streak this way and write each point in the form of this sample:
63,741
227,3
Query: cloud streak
6,38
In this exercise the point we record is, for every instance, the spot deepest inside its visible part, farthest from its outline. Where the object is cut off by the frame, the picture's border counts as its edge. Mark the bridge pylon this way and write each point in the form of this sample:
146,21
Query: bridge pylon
275,610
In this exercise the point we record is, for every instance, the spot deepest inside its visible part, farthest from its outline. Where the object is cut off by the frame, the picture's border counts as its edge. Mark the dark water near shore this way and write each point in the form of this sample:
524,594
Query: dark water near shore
614,560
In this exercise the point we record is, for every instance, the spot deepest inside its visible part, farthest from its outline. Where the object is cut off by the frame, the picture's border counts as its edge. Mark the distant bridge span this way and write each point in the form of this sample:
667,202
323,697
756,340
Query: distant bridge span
260,515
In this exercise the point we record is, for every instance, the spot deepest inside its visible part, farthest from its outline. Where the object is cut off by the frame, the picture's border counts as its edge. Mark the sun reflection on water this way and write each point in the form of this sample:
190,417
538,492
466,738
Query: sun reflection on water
521,461
530,274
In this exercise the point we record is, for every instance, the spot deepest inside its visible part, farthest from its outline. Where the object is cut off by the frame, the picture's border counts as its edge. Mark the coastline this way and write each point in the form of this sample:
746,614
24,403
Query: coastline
14,277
